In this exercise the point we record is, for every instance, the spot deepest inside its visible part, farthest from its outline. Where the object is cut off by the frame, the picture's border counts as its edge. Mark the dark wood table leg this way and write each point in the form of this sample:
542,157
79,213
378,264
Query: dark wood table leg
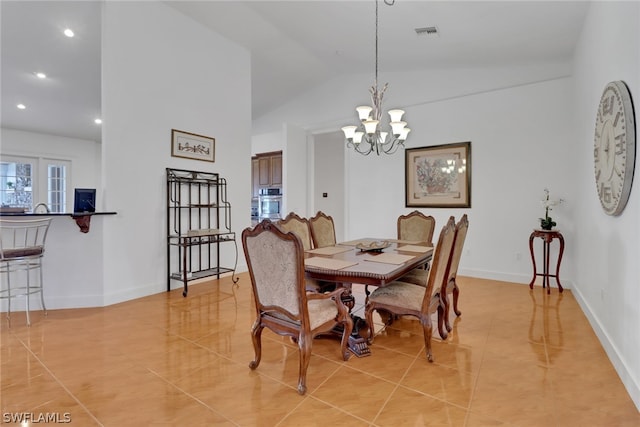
357,344
533,260
545,256
561,239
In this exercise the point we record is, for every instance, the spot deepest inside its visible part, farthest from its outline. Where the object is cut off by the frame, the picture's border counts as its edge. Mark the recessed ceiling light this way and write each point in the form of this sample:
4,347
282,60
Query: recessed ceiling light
68,32
41,75
21,106
98,121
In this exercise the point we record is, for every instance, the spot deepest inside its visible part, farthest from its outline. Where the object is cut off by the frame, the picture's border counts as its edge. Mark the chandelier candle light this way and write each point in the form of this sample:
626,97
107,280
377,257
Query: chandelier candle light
369,136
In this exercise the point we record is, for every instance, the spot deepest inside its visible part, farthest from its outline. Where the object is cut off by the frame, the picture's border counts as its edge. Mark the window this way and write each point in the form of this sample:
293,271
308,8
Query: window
21,186
56,187
16,183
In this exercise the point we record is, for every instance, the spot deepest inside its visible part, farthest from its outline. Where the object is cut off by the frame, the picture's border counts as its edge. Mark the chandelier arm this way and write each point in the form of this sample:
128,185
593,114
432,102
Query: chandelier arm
394,146
374,140
356,148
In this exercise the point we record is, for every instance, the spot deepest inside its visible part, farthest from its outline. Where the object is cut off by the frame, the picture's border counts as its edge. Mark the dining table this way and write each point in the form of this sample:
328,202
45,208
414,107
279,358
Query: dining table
368,261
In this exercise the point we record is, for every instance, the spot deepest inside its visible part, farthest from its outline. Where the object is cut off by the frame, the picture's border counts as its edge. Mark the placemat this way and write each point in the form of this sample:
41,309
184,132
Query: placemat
329,250
389,258
357,242
408,242
414,248
328,263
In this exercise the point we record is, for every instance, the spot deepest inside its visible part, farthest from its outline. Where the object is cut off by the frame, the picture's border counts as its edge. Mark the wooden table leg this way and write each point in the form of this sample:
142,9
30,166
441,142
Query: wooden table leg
546,255
533,260
559,261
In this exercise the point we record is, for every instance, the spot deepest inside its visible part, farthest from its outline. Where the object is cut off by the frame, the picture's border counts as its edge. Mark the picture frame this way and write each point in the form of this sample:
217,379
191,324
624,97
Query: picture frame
438,176
192,146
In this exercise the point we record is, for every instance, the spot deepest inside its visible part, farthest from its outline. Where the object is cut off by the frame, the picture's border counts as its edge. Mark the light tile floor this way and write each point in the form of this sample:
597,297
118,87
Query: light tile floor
514,358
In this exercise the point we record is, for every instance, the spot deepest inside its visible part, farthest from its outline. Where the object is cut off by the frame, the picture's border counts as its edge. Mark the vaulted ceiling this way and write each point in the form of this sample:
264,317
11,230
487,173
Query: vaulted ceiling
294,45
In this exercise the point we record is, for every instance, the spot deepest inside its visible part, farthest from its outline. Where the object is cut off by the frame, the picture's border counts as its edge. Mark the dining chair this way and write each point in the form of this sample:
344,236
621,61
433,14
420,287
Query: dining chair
416,226
323,232
419,277
276,267
21,251
299,226
406,299
452,285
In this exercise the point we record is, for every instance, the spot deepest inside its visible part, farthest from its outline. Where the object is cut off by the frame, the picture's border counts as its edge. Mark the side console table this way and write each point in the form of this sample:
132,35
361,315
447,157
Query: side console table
547,236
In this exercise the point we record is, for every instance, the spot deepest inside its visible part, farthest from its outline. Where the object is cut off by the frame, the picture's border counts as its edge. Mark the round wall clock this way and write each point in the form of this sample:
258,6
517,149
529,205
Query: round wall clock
614,147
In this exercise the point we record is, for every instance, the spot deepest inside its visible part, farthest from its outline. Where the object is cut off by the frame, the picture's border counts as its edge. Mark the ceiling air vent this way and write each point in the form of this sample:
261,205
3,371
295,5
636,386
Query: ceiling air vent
427,31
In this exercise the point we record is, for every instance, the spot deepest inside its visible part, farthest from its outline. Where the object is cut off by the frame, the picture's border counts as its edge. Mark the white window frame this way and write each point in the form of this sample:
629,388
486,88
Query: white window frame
40,177
43,181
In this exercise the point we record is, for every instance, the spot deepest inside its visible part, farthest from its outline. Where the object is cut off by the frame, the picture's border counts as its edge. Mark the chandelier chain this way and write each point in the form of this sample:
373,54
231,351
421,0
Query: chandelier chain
376,78
369,136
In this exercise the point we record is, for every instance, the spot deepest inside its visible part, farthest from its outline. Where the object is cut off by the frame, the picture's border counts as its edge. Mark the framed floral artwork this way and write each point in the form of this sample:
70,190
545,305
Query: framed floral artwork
438,176
192,146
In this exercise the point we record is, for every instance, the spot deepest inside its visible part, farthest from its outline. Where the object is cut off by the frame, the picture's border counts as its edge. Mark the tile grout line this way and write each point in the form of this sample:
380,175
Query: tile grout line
191,396
477,377
57,380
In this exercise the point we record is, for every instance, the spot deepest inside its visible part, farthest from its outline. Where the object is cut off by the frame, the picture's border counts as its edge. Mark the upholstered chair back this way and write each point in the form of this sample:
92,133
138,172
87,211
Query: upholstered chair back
300,227
323,231
416,227
274,265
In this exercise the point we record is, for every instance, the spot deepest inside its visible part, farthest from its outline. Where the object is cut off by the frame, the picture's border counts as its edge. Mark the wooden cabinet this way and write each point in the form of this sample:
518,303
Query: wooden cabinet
268,172
255,177
276,169
264,171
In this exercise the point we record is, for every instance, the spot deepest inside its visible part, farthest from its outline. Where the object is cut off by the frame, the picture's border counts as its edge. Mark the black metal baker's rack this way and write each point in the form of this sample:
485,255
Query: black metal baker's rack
198,223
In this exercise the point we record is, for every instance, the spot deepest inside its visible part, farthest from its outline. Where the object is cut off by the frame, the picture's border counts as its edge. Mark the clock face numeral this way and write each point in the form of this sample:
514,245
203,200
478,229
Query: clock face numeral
620,143
605,192
614,147
615,121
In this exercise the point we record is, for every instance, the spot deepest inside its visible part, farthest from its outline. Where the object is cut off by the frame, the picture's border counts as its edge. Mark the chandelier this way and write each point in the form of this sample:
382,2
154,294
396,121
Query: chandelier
369,136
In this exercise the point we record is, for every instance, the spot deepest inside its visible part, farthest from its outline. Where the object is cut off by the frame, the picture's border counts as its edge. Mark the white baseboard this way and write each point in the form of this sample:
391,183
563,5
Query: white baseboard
633,388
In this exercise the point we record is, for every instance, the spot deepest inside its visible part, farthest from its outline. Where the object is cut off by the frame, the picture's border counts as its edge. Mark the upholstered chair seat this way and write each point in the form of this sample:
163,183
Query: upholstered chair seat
276,267
406,299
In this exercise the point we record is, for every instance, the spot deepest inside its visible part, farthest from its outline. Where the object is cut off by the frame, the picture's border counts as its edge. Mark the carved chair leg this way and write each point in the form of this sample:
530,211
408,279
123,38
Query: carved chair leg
442,329
348,328
446,304
256,335
304,344
368,314
456,294
428,331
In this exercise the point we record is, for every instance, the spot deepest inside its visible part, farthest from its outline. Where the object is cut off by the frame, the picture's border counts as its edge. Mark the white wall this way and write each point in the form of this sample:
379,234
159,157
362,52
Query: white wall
162,70
328,151
530,128
521,143
267,142
72,266
294,171
83,154
607,282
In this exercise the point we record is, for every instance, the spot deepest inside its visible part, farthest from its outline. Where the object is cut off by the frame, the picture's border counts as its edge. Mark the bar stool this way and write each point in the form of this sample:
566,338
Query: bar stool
21,251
